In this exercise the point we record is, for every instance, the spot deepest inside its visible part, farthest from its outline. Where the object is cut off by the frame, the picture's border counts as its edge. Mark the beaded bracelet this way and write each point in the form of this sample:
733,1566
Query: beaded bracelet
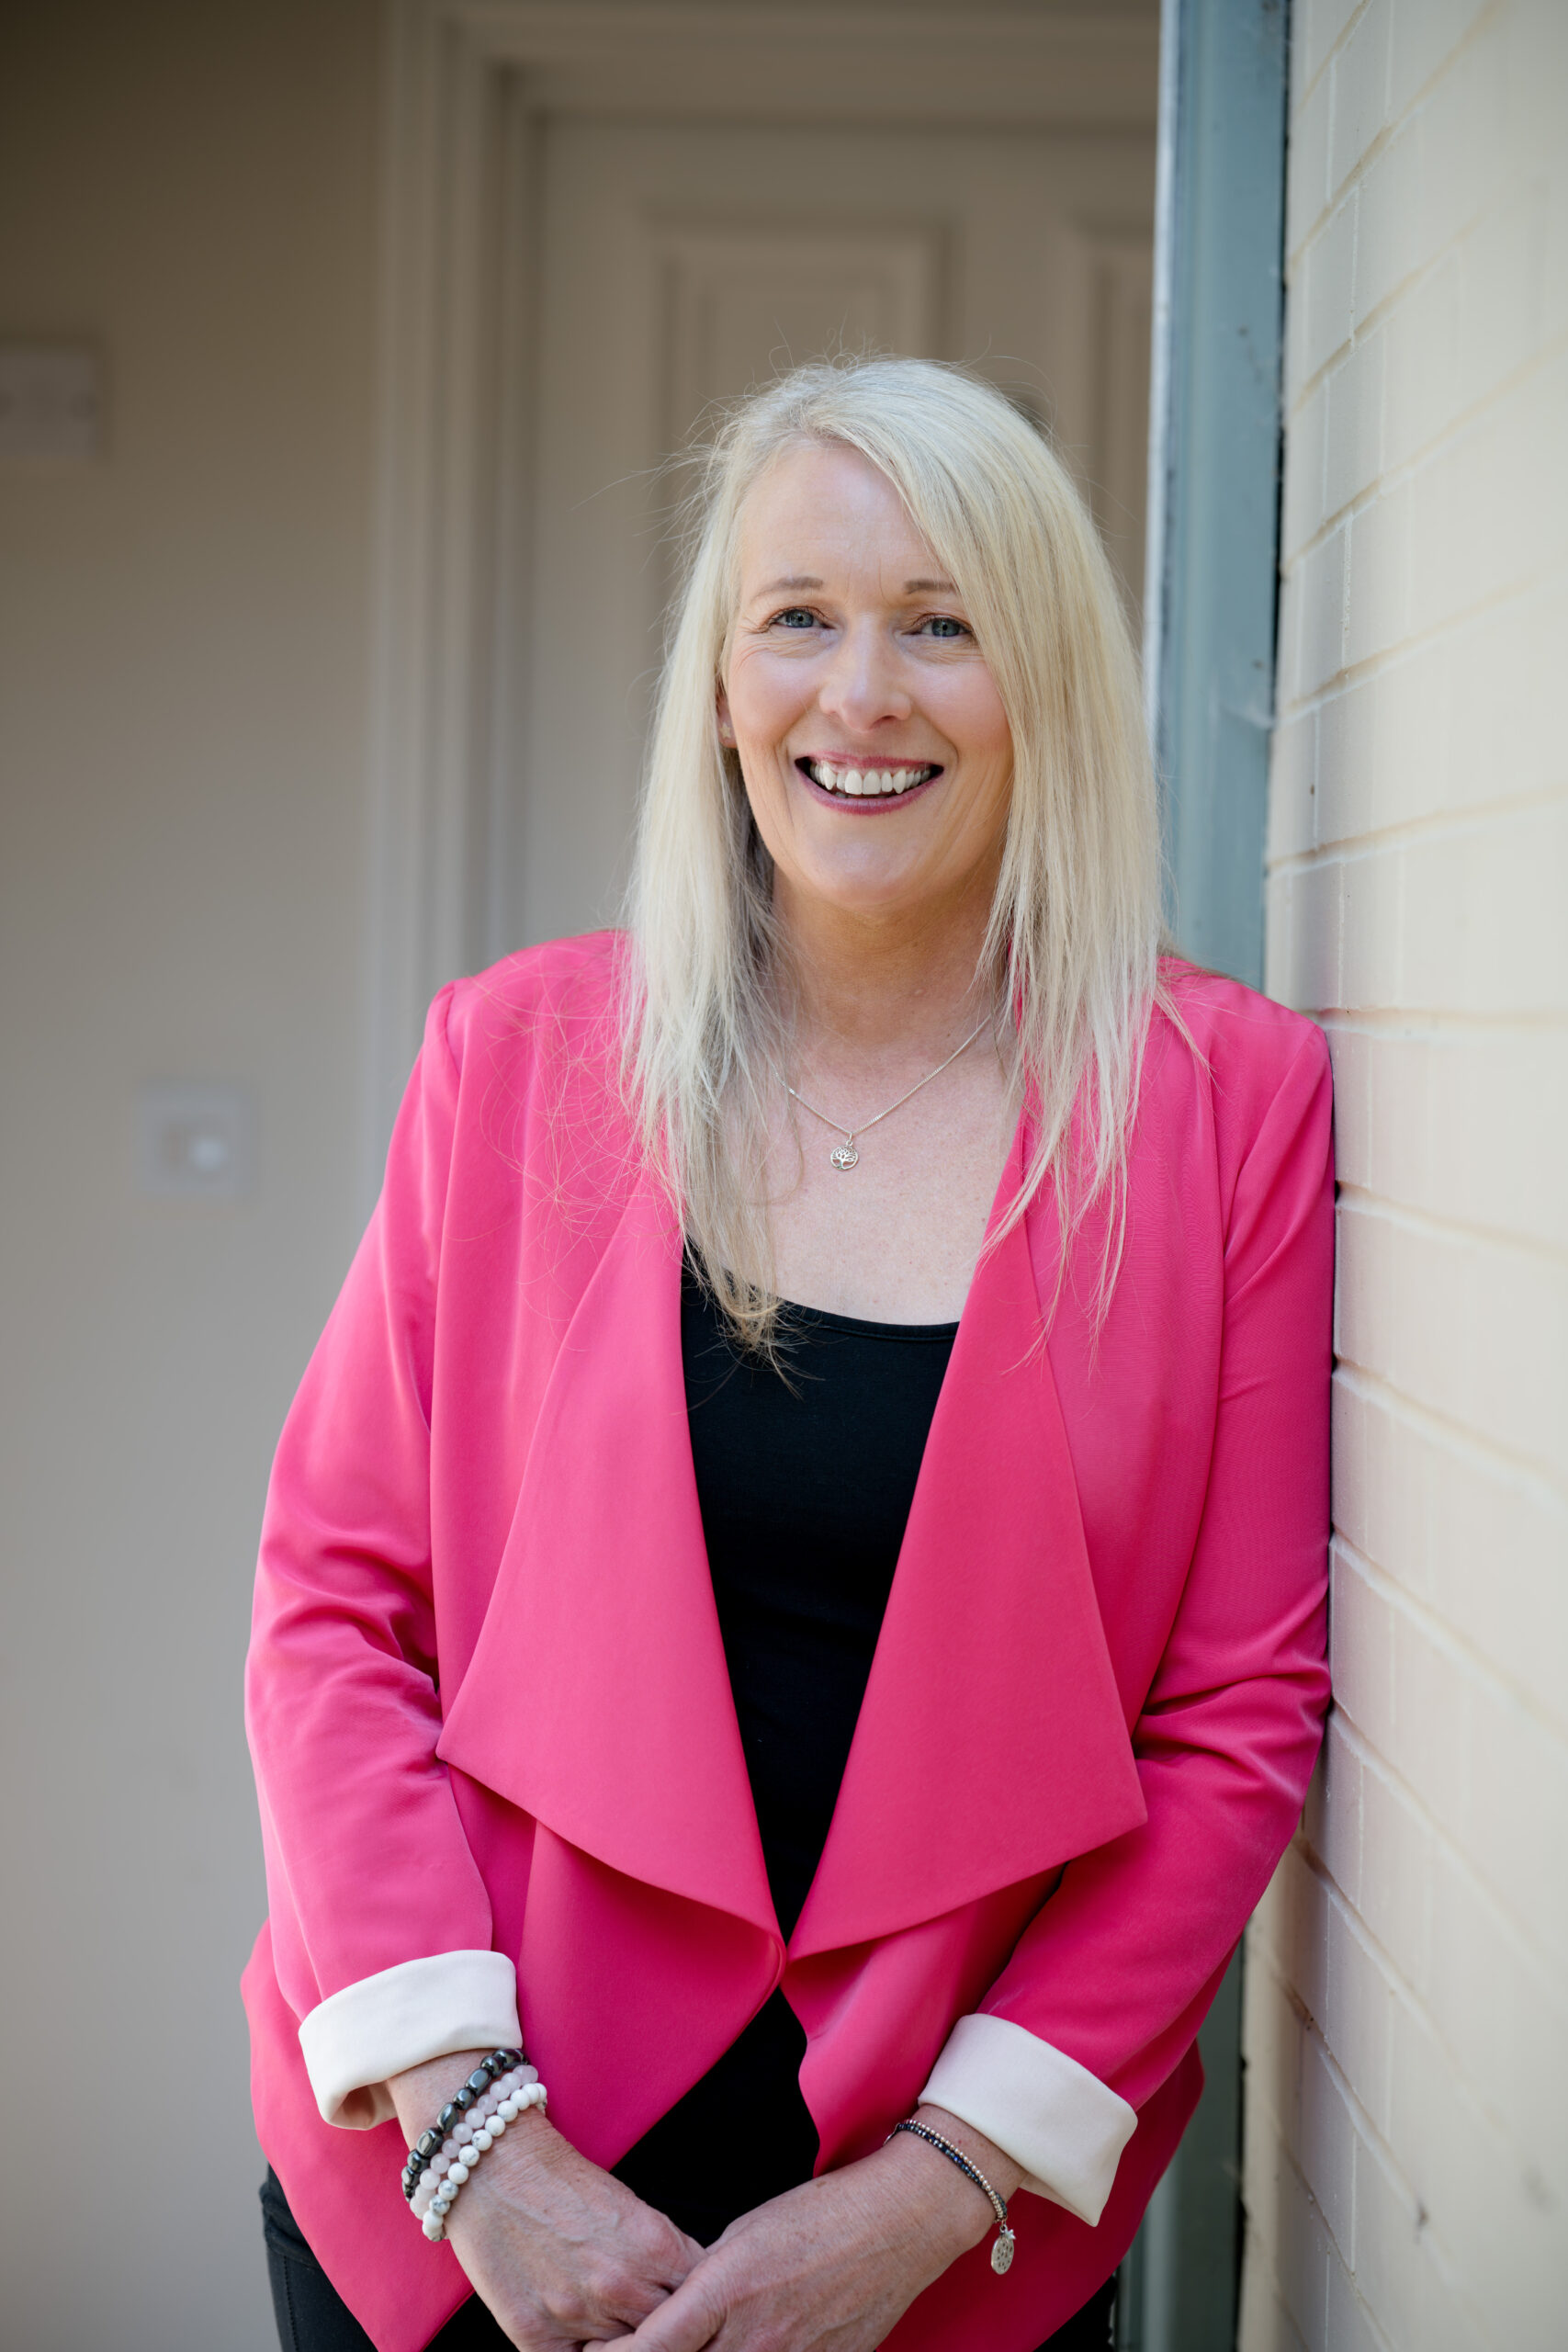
462,2133
455,2162
1005,2245
472,2138
500,2061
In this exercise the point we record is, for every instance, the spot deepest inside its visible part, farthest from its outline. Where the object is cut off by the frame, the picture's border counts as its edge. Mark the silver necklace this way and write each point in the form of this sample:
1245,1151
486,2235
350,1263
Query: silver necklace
844,1156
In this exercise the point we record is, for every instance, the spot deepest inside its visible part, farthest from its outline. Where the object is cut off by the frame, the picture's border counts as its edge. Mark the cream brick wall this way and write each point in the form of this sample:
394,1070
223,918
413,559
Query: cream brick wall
1407,2020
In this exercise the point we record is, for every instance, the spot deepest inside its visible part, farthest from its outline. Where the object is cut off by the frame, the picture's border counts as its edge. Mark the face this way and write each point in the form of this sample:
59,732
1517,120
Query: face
874,744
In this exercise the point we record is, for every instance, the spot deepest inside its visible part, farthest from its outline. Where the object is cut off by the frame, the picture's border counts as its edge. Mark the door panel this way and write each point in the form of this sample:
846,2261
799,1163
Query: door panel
681,264
738,303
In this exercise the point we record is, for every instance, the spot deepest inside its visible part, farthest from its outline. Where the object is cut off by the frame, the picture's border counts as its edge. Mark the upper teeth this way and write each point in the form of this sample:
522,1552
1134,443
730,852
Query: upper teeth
864,780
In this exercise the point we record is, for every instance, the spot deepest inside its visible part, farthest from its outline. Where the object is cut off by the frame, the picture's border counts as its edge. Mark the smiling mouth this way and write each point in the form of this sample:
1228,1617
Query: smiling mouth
879,783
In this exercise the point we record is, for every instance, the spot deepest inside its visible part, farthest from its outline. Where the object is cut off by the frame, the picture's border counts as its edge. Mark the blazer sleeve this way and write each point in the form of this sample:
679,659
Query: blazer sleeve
368,1869
1109,1984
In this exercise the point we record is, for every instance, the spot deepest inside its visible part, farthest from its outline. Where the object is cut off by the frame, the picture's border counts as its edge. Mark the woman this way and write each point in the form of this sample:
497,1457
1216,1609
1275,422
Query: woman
878,1201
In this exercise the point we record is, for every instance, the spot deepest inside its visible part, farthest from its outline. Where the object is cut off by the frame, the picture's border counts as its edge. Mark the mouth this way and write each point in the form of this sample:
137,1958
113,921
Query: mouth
882,782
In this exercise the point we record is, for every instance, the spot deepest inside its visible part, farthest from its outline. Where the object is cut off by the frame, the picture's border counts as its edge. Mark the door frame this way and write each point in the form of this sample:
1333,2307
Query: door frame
465,84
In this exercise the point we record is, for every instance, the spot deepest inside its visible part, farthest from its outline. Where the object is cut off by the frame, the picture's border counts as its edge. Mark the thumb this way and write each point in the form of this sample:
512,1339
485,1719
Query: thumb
687,2322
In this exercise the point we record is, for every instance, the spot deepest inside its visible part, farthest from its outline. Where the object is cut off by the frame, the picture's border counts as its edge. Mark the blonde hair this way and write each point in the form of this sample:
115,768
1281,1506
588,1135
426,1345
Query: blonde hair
1073,941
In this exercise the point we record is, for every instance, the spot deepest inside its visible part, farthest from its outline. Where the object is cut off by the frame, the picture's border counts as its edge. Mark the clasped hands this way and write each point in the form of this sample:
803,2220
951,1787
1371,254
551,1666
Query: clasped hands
565,2255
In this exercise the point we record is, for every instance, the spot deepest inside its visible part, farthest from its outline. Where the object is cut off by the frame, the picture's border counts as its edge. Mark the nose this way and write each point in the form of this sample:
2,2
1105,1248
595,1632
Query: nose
863,684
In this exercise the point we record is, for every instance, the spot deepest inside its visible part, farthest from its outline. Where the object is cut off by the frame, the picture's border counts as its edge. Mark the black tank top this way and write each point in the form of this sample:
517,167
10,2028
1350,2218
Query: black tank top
804,1477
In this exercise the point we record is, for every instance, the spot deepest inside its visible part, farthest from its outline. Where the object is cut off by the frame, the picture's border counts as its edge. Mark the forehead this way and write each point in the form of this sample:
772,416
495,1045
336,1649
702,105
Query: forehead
821,508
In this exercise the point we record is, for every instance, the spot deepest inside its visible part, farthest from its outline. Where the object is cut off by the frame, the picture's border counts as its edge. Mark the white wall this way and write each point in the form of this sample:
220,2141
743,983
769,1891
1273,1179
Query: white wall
1407,2029
182,694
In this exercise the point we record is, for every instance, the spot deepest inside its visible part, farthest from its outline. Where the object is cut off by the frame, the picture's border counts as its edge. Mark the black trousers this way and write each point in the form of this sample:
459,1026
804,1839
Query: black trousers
313,2317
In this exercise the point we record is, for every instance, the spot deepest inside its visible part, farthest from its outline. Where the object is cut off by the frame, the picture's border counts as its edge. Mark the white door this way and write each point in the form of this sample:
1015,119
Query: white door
680,264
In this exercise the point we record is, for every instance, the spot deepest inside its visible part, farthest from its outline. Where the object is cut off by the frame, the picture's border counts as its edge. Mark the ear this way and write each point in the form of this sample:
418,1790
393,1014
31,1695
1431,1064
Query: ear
726,724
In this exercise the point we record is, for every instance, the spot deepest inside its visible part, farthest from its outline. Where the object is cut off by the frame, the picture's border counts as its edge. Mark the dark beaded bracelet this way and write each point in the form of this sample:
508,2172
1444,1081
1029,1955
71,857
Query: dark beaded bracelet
499,2063
1003,2250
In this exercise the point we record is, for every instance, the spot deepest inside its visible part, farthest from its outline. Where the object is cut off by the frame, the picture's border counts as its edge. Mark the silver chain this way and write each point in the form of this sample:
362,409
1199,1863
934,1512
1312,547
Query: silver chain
846,1156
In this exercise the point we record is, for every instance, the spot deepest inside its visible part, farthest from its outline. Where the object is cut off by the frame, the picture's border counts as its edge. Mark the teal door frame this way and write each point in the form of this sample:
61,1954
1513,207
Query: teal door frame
1211,606
1213,525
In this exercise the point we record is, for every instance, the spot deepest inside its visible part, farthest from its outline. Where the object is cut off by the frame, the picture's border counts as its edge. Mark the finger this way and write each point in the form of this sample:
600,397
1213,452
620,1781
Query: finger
687,2322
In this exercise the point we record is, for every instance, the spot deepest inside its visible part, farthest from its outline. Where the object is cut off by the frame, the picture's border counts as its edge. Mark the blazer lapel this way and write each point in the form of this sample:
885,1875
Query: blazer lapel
598,1696
991,1745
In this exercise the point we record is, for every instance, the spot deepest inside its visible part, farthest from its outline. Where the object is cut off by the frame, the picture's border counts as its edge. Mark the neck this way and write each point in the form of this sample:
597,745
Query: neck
885,980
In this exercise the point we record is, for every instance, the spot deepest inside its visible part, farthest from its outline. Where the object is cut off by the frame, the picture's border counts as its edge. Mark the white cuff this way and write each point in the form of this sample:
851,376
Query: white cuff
1047,2112
356,2039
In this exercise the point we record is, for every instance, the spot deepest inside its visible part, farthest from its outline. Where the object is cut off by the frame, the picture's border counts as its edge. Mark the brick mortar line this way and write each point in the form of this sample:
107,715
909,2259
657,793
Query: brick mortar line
1435,824
1395,1982
1516,1471
1298,390
1386,133
1528,1948
1478,1667
1387,664
1373,1199
1398,1987
1363,1201
1431,2236
1542,1469
1430,453
1432,2242
1290,2150
1523,1471
1352,673
1482,1668
1442,1022
1298,101
1408,468
1259,2250
1520,1020
1508,2143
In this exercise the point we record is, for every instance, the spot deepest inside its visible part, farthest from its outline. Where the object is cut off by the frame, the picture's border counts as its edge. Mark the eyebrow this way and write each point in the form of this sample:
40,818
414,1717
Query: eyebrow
805,580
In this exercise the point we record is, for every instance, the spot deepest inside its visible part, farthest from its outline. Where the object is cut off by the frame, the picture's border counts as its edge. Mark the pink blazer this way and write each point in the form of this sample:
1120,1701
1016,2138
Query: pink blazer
488,1704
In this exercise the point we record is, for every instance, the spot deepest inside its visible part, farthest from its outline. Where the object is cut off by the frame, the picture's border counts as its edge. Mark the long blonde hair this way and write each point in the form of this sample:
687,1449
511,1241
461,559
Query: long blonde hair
1073,941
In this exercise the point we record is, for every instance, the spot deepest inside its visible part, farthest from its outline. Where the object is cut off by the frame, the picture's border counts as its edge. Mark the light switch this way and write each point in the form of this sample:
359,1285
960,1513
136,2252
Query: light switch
51,401
195,1140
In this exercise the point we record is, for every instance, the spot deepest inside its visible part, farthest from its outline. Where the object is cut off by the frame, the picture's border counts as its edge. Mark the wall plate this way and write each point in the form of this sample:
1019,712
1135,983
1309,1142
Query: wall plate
195,1140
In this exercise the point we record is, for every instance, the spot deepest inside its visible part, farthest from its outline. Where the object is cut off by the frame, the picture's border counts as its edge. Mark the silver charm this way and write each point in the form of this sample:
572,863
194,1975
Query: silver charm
1002,2252
844,1156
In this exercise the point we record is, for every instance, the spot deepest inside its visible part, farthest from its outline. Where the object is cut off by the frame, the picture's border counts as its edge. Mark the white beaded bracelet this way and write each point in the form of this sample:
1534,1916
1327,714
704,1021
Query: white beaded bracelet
461,2136
458,2141
457,2156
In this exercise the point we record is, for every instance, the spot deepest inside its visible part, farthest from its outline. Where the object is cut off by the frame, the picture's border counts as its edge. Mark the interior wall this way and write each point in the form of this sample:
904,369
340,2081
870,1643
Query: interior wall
1407,2032
183,689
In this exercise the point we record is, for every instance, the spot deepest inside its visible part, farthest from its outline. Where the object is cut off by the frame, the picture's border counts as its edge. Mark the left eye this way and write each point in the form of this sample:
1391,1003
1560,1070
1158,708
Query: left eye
796,616
943,624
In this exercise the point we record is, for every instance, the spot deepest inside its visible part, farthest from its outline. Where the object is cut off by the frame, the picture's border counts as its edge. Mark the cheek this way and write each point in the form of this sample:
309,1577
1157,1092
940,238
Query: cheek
979,725
764,696
962,699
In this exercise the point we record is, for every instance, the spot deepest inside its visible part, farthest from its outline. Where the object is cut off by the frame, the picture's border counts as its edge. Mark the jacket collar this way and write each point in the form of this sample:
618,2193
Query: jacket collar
991,1745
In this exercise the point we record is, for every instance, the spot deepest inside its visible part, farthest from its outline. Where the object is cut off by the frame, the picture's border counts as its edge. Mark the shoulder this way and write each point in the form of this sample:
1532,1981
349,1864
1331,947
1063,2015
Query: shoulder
1245,1068
1243,1037
522,1063
560,997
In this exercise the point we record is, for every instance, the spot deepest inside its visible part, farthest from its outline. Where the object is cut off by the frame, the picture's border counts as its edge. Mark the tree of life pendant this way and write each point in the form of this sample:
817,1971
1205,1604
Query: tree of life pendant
844,1156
